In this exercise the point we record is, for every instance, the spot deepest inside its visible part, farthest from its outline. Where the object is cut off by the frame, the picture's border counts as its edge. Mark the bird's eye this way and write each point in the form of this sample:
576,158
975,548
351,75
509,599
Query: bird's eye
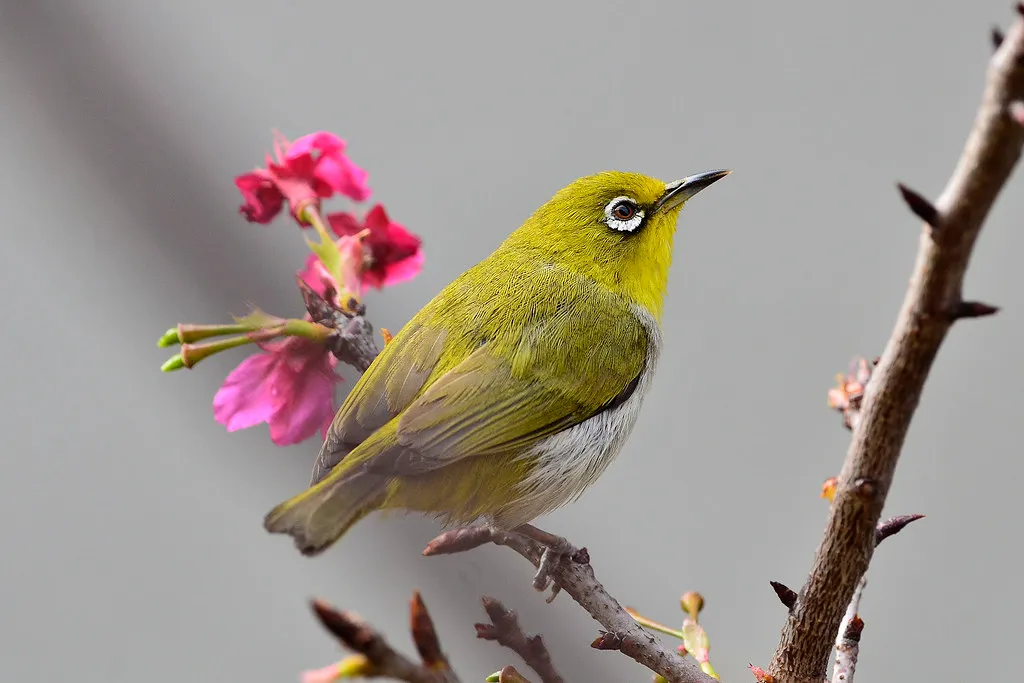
623,215
624,210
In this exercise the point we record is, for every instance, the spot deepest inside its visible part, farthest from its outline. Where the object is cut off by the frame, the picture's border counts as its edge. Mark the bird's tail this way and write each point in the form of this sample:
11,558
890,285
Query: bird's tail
320,515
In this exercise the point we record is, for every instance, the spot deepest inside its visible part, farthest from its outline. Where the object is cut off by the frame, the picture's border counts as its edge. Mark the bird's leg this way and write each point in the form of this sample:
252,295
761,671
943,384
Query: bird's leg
556,549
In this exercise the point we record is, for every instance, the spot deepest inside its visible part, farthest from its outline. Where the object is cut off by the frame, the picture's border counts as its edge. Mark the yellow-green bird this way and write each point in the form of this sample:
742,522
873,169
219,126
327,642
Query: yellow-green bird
514,388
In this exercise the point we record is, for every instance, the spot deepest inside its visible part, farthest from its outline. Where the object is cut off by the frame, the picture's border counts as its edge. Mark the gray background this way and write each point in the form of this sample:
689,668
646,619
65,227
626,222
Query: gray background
132,547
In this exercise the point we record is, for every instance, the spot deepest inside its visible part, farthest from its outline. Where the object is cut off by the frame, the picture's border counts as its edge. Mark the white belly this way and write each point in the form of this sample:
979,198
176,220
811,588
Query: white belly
570,461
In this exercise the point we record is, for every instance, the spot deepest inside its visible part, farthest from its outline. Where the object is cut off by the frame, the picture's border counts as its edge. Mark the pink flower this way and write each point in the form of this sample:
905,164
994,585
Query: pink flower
391,254
263,200
320,280
313,167
332,166
290,386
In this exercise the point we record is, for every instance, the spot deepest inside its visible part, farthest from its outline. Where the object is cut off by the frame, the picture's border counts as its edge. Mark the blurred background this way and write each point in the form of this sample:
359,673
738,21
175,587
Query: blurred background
132,546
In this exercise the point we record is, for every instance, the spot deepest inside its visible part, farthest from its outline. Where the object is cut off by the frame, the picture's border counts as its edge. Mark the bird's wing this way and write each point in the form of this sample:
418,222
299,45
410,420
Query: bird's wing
503,398
387,387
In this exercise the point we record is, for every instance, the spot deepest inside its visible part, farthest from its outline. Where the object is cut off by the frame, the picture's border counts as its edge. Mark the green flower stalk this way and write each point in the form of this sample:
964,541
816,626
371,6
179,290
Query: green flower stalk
342,267
191,353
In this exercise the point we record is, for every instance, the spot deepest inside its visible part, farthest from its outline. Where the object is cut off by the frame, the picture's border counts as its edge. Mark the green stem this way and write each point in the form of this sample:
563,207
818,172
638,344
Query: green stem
193,353
653,625
295,327
311,214
327,251
188,333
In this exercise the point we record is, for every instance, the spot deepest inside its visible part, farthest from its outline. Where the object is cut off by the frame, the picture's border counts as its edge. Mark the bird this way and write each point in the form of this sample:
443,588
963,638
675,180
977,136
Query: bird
514,388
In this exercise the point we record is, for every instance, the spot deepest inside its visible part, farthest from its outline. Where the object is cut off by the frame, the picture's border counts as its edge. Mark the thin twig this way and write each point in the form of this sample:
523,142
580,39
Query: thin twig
505,630
358,636
576,577
848,640
932,300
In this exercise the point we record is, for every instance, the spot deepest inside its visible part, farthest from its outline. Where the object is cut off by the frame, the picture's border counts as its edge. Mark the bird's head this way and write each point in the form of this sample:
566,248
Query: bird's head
616,228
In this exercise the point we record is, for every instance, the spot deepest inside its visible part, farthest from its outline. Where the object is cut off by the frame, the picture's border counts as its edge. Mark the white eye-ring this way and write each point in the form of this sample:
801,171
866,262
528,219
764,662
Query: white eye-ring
622,214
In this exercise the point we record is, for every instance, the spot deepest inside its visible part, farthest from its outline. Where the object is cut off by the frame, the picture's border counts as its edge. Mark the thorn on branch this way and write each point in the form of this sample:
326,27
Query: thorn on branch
893,526
997,37
358,636
1020,8
973,309
505,630
786,594
921,207
424,635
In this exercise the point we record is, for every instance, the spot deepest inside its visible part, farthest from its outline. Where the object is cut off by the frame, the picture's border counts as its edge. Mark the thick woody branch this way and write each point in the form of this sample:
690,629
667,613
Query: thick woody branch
505,630
576,577
932,302
381,659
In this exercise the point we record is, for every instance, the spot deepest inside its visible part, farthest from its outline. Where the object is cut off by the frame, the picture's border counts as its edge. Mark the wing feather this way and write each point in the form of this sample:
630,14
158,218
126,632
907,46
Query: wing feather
387,387
494,403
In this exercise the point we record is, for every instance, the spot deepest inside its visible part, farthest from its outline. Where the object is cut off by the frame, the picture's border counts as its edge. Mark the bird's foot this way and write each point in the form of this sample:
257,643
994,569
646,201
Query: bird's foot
556,549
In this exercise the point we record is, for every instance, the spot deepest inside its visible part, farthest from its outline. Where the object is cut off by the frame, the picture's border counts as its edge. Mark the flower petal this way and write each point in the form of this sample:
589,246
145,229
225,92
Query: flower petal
315,275
304,393
343,176
343,223
320,141
244,399
262,199
401,271
395,253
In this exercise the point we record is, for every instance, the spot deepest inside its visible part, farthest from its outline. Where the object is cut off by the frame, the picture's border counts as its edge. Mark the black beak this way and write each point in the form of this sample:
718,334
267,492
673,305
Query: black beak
678,192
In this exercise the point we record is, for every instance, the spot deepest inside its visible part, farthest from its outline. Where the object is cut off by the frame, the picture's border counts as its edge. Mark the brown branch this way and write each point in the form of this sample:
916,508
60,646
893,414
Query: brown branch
352,341
576,577
383,660
990,154
505,630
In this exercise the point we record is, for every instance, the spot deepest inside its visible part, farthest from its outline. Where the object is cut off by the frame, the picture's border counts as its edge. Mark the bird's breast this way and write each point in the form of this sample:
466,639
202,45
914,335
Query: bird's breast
568,462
